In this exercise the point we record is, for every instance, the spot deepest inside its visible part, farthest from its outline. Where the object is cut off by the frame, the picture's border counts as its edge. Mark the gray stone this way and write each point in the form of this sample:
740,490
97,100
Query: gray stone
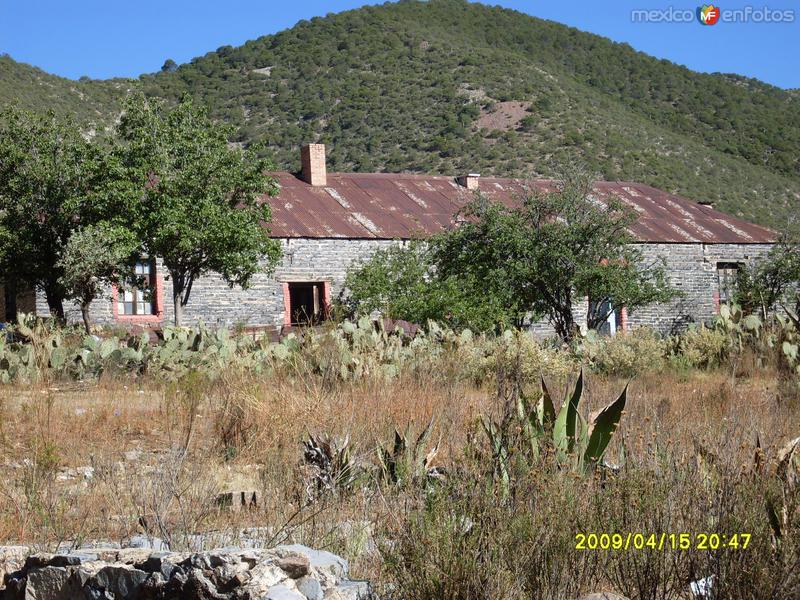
351,590
310,588
158,562
319,559
281,592
71,560
149,543
12,558
295,565
291,572
200,587
51,583
123,581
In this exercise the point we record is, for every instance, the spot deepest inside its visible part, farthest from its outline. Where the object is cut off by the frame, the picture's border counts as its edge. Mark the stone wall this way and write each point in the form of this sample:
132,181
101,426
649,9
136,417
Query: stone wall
288,572
691,268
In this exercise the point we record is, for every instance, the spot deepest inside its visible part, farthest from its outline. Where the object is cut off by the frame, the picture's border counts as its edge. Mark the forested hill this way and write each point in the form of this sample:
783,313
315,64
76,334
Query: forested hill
447,86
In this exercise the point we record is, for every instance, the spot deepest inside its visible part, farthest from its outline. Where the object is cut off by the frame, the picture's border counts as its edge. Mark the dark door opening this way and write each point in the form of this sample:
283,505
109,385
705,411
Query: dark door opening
10,293
307,302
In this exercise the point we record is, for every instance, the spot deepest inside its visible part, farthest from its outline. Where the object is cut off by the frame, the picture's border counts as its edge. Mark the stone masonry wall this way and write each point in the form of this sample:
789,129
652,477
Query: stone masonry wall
691,268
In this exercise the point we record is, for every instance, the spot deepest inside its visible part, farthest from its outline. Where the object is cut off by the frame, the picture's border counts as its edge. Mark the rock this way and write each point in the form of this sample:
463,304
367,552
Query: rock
351,590
295,565
123,581
50,583
320,559
200,587
281,592
157,562
291,572
262,577
133,455
12,558
71,560
149,543
310,588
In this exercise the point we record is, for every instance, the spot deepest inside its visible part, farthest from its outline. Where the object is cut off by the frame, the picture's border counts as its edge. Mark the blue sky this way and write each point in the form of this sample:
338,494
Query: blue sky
128,37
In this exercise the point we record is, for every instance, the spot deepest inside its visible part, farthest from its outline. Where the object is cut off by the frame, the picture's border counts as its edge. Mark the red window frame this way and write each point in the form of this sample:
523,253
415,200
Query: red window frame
158,301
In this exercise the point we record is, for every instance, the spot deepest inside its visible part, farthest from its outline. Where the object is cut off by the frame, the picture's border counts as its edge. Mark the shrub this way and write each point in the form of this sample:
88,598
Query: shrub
626,354
702,347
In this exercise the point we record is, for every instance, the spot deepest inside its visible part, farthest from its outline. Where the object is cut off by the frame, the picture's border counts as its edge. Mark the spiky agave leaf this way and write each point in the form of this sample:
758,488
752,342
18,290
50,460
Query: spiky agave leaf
567,419
602,428
500,452
546,409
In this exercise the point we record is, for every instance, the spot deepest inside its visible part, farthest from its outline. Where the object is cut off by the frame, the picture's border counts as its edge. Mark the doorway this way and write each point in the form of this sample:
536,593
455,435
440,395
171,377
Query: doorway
307,302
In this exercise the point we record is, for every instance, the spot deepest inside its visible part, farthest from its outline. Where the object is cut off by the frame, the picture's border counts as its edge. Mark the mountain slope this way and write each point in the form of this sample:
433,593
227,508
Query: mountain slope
88,101
448,86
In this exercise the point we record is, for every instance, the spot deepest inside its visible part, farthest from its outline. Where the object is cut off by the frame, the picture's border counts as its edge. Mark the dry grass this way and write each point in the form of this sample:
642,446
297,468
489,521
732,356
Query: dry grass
159,454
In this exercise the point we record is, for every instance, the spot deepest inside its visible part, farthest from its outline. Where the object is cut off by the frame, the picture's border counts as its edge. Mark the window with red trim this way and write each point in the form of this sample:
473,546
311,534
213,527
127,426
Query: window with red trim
137,296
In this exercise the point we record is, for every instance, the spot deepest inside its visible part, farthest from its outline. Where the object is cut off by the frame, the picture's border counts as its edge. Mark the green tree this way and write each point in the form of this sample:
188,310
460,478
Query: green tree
772,281
552,250
94,258
49,174
192,198
506,265
400,283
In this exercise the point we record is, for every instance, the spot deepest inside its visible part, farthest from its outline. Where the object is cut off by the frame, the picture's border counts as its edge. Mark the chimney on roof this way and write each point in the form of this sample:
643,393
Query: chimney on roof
708,203
312,158
469,181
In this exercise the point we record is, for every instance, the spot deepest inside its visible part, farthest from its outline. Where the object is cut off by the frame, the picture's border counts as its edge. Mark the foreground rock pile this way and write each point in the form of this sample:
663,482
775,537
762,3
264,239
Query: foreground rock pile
291,572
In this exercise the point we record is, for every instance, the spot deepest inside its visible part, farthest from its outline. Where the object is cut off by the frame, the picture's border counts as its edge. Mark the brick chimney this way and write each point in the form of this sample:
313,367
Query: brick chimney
312,158
469,181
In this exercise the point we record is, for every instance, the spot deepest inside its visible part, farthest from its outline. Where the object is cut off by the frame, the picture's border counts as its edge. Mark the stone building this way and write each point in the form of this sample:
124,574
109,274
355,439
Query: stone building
325,222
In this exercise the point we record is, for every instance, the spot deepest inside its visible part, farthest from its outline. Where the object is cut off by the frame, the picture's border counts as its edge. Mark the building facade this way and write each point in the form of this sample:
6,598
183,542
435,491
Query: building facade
328,222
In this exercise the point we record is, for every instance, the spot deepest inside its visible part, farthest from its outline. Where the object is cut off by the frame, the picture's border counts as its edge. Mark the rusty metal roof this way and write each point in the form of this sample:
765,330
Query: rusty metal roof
404,206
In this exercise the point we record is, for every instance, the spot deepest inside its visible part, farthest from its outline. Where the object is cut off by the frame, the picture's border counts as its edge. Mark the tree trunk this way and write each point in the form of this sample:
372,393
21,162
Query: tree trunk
564,325
177,304
181,289
87,323
55,301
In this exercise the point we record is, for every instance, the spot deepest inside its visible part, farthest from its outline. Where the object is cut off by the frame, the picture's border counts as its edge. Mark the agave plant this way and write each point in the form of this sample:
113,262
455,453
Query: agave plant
790,337
576,443
408,461
331,466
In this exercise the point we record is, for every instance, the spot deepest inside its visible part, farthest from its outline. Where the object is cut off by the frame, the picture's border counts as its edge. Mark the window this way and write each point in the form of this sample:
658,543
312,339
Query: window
137,296
614,320
727,272
307,302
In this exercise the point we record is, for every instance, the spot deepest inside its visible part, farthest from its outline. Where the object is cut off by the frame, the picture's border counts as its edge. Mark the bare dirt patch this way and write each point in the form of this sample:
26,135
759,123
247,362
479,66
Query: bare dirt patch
504,116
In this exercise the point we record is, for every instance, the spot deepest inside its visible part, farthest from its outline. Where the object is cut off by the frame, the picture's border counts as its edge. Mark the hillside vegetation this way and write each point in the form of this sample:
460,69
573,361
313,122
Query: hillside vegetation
447,86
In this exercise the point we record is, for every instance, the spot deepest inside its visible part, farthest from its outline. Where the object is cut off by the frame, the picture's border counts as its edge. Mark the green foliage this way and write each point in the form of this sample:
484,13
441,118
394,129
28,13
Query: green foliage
191,198
49,174
557,247
788,340
93,258
627,354
703,347
407,461
772,281
532,431
502,266
401,282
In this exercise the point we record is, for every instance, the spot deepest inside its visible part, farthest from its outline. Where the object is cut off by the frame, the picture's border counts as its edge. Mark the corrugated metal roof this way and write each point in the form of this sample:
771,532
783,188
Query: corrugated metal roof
404,206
